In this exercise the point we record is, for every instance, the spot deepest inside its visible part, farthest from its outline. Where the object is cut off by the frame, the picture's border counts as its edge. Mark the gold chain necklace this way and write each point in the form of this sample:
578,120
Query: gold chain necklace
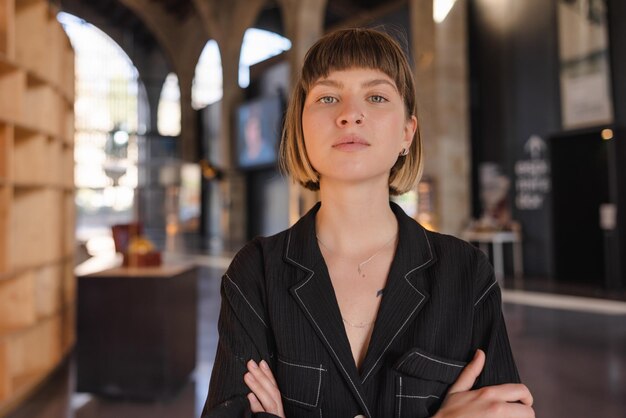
361,325
359,267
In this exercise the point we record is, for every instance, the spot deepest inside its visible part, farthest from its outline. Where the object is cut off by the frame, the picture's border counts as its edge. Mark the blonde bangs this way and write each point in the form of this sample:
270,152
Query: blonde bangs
358,48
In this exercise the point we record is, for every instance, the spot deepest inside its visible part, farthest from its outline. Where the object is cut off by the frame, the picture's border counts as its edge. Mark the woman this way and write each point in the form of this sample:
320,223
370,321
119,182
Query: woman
357,310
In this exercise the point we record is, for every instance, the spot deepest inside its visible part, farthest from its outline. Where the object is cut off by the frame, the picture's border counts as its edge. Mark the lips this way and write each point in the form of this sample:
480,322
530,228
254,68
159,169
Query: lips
351,142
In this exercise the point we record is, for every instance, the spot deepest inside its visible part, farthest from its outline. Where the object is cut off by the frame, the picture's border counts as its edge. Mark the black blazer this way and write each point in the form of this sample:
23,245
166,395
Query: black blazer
441,302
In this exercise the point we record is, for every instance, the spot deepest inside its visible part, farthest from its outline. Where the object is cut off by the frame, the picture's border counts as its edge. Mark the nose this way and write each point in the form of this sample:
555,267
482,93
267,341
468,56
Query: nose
350,114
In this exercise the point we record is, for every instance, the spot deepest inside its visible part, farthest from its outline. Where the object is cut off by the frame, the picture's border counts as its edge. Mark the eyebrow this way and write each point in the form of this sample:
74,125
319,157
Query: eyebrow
339,85
377,82
327,82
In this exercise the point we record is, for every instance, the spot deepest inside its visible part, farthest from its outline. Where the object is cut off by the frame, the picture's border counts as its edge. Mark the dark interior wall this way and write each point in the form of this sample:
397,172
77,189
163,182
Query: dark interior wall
267,191
536,107
617,33
580,185
514,95
489,74
489,62
267,202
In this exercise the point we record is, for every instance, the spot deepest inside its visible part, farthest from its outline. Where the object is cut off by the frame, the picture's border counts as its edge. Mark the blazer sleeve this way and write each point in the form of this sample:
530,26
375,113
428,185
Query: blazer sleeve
489,333
244,334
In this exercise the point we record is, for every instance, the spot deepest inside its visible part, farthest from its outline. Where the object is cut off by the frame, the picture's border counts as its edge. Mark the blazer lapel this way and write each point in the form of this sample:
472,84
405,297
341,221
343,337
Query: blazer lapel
406,291
316,296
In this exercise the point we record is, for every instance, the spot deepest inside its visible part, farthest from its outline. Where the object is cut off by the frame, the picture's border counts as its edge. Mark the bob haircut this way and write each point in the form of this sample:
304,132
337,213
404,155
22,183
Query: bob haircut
341,50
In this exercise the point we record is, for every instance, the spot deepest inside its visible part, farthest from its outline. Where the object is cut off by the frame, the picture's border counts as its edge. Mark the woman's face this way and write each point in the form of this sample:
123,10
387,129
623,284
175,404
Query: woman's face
355,125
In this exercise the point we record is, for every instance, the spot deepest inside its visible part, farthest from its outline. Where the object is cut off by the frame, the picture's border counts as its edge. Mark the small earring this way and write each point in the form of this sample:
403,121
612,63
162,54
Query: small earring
405,151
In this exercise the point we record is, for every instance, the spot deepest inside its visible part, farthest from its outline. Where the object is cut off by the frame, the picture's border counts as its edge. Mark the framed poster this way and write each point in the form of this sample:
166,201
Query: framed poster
584,64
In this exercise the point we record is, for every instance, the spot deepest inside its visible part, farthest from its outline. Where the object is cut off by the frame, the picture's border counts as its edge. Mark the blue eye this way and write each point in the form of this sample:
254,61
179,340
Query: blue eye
378,99
327,100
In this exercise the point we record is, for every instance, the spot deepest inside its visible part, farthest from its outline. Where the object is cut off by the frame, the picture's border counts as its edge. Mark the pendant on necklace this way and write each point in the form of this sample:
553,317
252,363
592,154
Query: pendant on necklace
360,271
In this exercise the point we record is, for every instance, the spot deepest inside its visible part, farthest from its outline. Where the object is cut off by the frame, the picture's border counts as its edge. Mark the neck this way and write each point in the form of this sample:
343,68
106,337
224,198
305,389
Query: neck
355,220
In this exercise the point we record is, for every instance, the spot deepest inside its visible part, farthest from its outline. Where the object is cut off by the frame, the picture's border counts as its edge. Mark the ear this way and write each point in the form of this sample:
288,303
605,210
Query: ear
409,131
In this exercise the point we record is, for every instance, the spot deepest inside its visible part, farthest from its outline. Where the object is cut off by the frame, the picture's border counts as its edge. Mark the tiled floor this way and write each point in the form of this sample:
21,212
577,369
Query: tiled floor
573,360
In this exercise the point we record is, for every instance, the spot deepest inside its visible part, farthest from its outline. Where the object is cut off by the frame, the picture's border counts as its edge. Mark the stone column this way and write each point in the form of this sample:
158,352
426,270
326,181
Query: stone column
182,41
453,132
228,22
440,51
304,23
153,70
188,147
232,189
423,43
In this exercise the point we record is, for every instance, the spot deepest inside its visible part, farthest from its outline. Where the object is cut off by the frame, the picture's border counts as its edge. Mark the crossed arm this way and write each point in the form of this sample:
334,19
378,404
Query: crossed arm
260,388
500,401
475,394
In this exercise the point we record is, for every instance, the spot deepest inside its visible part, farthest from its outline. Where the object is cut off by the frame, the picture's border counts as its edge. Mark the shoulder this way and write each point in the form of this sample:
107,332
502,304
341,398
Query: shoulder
253,256
448,248
244,284
467,261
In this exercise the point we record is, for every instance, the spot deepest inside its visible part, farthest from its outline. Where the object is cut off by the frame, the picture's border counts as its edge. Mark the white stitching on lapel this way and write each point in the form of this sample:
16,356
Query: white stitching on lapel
312,273
412,312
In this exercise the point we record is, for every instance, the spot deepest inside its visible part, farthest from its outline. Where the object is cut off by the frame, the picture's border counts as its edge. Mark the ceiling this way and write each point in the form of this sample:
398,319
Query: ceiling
115,14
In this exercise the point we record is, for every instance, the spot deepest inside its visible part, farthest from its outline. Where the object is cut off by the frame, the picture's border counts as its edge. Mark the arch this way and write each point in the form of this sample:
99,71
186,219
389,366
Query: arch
168,114
178,40
94,48
108,99
207,85
259,45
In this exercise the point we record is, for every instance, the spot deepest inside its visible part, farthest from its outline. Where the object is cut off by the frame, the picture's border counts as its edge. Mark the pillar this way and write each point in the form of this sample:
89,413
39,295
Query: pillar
440,52
304,23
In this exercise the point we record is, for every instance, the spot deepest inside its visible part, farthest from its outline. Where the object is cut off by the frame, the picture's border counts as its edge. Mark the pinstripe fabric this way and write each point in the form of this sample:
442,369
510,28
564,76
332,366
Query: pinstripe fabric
441,303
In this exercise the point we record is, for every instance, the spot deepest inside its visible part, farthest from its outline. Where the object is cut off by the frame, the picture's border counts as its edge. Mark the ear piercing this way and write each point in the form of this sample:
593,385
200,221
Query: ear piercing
404,152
